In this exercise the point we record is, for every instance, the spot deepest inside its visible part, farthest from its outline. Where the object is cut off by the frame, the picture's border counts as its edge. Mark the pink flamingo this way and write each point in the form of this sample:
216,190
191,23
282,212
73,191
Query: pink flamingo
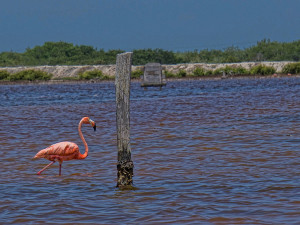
64,151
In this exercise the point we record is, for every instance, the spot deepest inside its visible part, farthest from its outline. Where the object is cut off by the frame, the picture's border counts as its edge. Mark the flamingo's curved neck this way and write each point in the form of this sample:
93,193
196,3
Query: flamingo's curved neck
85,154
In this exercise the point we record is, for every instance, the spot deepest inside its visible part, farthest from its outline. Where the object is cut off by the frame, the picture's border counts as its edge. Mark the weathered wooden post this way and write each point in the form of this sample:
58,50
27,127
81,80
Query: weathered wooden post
122,82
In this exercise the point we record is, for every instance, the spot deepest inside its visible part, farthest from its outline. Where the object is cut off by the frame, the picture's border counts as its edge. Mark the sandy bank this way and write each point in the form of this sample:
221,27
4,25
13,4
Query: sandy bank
72,71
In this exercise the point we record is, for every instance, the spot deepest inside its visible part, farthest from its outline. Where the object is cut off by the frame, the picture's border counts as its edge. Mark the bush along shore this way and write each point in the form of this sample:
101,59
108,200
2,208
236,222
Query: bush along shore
101,73
63,53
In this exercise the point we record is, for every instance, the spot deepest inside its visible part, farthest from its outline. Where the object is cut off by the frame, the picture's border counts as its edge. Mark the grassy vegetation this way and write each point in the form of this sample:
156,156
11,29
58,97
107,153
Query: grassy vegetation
25,75
292,68
262,70
33,75
230,70
62,53
93,74
4,74
136,74
38,75
67,78
199,72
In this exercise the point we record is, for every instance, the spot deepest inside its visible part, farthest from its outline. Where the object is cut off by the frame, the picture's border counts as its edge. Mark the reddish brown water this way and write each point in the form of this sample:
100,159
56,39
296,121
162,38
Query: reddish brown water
205,152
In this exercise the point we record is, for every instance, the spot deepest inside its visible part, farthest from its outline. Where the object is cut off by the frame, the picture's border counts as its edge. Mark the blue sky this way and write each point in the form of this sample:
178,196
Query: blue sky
177,25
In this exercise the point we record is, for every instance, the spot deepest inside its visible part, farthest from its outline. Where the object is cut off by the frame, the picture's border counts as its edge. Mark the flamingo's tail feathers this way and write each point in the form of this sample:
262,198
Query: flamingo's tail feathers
42,153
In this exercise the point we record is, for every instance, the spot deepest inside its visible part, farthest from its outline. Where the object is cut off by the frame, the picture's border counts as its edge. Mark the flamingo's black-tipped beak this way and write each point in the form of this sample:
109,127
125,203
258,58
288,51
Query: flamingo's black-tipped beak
93,124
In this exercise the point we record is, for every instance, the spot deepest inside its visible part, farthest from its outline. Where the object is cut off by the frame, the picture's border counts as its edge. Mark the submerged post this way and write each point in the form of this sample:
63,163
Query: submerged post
122,82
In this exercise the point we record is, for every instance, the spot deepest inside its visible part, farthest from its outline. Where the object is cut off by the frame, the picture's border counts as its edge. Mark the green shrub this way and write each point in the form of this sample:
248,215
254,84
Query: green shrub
136,74
262,70
209,72
62,53
293,68
218,71
29,75
4,74
199,72
15,77
226,69
93,74
241,70
169,74
67,78
181,73
231,70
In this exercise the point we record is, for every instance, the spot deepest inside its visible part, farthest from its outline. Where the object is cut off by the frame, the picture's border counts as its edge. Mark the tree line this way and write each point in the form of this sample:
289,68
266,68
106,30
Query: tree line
63,53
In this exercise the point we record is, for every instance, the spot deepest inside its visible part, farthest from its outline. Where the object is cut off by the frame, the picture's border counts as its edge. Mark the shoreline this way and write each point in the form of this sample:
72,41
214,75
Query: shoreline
92,81
64,71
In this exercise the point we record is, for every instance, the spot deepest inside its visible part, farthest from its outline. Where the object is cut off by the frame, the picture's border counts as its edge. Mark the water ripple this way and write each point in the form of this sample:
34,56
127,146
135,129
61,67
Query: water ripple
205,152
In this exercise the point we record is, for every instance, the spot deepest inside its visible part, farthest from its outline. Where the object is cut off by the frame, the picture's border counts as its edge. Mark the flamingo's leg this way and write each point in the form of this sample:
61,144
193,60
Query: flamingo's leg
60,168
45,168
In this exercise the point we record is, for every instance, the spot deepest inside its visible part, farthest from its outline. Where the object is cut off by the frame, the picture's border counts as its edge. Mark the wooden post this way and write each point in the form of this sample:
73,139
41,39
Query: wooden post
122,82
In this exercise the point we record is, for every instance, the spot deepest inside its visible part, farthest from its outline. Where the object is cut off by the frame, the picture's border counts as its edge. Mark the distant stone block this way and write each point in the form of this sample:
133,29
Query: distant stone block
153,75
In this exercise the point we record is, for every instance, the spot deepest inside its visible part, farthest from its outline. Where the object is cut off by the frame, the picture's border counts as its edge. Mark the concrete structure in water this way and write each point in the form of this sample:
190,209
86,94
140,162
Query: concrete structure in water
153,75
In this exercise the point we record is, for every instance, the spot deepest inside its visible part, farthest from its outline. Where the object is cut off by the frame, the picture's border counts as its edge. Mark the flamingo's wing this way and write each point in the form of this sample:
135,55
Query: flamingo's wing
59,149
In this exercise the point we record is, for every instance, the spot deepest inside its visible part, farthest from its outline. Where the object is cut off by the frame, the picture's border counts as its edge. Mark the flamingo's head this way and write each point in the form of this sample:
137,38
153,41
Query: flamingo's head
93,124
89,121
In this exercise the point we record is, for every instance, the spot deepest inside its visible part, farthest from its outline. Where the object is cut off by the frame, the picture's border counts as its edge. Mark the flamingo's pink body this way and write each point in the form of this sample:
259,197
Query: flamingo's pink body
64,151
